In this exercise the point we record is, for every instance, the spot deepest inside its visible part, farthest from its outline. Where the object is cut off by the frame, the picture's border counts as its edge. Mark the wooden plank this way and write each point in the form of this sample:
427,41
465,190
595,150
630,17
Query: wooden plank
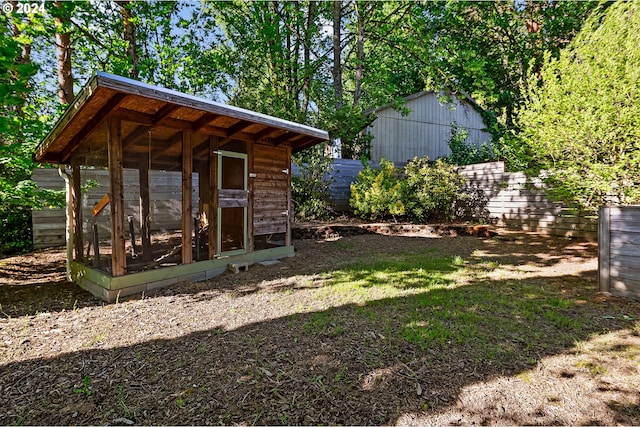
624,271
118,256
604,250
145,211
49,214
290,213
624,238
99,207
629,263
187,199
76,220
214,250
251,195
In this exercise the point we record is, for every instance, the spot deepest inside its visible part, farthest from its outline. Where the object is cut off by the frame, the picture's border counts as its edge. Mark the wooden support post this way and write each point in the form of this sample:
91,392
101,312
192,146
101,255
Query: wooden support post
132,236
196,237
76,200
118,255
187,198
143,174
250,187
96,247
604,249
290,213
213,191
204,202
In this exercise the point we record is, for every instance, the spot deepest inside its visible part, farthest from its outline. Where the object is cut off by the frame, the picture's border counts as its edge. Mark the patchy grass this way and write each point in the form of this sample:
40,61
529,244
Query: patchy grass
362,330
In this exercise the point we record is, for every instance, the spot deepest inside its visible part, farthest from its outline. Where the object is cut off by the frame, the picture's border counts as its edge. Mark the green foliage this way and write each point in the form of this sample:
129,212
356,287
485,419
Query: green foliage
463,153
582,120
310,191
21,126
485,48
431,190
378,193
421,192
84,388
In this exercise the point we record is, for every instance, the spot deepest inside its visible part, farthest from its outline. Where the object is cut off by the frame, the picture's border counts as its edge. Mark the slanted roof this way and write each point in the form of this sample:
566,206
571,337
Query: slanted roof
460,95
167,111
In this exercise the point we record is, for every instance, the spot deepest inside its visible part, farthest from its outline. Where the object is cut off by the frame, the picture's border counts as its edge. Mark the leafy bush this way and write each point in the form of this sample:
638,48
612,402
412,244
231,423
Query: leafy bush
423,191
432,190
310,190
378,193
471,204
463,153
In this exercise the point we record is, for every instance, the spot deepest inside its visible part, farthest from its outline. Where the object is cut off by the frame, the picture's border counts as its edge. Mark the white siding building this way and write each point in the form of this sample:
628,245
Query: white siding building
425,130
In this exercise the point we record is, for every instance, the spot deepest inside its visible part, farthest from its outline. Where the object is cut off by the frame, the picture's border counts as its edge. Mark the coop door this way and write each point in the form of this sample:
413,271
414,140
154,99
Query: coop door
233,199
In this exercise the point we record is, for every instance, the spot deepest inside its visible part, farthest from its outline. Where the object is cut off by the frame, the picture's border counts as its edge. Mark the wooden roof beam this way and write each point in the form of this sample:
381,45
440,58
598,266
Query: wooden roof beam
148,119
264,133
237,128
172,143
164,112
283,138
134,136
90,125
204,120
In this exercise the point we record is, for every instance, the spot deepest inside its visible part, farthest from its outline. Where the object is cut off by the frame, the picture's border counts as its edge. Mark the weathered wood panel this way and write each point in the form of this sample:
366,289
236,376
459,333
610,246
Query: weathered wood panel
619,251
272,168
165,203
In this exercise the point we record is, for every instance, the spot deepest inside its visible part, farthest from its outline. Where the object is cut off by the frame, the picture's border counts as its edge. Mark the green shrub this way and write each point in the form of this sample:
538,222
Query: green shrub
463,153
423,191
378,193
432,191
310,191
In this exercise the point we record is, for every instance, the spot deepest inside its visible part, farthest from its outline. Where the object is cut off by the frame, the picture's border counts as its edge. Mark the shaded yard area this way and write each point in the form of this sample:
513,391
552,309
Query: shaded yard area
366,329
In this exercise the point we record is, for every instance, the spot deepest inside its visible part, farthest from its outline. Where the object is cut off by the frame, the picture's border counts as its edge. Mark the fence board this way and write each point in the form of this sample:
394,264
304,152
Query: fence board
619,251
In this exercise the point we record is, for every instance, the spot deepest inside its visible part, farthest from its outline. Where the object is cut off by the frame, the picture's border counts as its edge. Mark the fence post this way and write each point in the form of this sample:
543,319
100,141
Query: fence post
604,249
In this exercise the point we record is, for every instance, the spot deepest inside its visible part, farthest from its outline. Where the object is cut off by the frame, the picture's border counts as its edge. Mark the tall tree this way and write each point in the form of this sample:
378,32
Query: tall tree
581,121
129,36
337,53
63,51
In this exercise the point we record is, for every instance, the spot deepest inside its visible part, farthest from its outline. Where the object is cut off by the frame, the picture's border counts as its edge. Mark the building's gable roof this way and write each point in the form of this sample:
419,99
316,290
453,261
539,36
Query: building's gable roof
461,96
107,95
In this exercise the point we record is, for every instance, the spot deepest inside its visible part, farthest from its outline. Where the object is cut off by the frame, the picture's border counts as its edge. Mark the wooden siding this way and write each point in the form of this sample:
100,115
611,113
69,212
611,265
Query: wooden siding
619,251
424,131
270,188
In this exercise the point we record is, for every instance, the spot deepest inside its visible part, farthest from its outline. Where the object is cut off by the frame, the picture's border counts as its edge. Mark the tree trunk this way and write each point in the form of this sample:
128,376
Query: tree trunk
63,55
129,36
359,54
337,53
308,72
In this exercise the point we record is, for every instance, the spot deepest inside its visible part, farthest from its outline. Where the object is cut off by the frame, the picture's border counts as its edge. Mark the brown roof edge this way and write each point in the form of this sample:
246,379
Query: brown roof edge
136,88
67,116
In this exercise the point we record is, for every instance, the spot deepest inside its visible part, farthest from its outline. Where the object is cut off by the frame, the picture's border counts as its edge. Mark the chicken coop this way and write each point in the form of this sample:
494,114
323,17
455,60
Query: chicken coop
164,187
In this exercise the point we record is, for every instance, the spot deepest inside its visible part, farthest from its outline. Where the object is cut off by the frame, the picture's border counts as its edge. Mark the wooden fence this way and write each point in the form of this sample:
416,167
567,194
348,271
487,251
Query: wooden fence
516,201
49,224
619,251
513,200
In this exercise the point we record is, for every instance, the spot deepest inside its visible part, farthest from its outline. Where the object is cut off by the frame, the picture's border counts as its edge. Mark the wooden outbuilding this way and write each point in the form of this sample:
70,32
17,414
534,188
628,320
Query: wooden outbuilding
222,171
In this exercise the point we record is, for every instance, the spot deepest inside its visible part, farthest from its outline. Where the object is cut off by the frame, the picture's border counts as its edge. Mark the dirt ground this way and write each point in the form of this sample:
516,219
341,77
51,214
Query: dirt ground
239,349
